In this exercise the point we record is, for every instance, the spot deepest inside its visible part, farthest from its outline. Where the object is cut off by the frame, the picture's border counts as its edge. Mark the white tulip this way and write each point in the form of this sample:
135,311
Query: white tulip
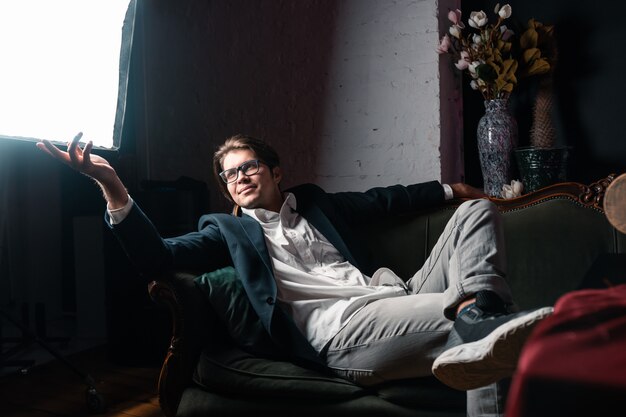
505,12
478,19
513,190
455,31
472,67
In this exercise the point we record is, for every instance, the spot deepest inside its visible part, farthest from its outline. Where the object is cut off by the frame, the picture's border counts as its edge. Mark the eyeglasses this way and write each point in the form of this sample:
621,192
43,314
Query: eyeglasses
250,167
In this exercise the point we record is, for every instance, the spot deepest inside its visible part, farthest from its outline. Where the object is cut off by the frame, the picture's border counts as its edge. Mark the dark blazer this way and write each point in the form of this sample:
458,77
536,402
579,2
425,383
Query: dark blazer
226,240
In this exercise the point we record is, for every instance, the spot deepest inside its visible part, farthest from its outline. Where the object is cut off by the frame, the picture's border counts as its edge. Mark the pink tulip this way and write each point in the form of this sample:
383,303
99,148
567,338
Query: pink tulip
463,63
455,16
444,45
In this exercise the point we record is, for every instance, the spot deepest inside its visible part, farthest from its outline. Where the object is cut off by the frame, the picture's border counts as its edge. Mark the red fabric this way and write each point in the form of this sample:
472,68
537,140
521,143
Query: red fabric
575,361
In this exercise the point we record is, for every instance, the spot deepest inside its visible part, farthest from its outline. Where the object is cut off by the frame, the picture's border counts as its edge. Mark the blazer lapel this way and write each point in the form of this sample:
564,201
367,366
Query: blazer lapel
254,232
314,215
251,259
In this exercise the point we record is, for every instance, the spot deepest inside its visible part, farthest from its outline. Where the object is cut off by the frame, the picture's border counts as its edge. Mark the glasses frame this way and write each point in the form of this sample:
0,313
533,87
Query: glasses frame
240,168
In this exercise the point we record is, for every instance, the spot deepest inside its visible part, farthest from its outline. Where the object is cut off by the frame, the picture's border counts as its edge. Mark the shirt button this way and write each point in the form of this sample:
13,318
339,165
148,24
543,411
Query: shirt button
270,301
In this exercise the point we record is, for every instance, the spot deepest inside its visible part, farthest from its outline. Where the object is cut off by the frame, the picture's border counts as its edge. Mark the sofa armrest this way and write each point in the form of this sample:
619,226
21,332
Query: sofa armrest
193,325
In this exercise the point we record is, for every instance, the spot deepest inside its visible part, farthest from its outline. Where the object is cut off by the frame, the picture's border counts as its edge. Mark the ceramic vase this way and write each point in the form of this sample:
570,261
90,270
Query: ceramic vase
541,167
497,137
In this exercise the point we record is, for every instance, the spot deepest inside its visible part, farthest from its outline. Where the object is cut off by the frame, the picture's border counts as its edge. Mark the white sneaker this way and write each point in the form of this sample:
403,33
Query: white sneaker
484,347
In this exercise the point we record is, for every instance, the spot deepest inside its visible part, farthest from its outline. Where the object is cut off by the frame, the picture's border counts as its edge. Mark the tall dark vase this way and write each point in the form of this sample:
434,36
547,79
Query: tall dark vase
497,137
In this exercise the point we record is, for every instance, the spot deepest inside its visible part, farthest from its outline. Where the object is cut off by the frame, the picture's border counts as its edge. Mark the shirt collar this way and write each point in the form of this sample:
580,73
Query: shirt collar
266,216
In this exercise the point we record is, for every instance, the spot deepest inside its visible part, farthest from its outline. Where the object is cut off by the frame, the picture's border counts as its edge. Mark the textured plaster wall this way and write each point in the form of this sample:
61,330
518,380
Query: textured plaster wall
347,91
381,113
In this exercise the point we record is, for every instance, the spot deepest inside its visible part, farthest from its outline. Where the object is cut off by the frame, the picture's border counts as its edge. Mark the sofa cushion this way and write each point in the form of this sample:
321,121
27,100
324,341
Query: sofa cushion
228,299
235,371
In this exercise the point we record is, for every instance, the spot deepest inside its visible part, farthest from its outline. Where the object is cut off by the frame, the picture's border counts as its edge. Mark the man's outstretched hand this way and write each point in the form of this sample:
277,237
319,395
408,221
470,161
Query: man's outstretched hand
80,159
94,166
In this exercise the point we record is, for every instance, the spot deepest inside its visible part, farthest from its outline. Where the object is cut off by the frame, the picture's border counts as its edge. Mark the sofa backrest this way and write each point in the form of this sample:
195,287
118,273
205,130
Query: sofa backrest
552,236
552,245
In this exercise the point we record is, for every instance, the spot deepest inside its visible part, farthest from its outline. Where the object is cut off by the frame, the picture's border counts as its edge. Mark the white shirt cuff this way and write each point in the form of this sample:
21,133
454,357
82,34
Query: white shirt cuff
447,191
119,214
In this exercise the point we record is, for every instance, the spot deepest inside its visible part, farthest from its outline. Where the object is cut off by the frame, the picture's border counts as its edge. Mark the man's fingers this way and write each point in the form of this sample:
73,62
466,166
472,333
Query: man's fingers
52,150
87,152
76,139
42,147
72,151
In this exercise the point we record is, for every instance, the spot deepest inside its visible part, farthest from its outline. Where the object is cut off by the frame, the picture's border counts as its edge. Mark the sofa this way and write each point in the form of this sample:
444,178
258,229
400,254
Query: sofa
553,237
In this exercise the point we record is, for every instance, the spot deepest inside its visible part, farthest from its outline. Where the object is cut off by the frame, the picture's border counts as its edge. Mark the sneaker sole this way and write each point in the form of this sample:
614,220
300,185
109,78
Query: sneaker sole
476,364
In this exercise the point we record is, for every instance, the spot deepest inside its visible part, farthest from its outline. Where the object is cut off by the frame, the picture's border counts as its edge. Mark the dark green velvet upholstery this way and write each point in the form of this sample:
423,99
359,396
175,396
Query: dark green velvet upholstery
237,372
551,246
552,239
227,298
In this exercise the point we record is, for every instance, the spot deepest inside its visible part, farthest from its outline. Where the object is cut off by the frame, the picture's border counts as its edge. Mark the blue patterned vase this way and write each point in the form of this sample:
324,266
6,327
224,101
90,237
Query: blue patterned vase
497,137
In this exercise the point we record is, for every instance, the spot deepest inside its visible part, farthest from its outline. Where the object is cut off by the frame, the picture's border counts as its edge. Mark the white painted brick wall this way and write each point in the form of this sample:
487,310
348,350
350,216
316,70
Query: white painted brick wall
381,121
381,124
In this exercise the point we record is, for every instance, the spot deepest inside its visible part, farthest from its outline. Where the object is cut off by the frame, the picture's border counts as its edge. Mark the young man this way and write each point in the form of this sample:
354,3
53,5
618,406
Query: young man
313,285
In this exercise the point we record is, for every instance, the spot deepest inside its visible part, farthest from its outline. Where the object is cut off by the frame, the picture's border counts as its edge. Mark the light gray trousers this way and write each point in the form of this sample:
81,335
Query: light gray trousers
400,337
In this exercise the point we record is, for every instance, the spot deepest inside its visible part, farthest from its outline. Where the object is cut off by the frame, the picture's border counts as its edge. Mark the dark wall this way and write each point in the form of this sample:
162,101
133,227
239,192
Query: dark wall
205,70
588,81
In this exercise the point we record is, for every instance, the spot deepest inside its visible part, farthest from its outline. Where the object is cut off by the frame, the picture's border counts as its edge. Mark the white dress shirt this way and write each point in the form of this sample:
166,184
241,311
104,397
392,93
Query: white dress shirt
319,288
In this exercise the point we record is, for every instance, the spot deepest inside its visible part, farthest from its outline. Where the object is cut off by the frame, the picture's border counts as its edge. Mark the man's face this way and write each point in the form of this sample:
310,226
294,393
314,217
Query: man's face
258,190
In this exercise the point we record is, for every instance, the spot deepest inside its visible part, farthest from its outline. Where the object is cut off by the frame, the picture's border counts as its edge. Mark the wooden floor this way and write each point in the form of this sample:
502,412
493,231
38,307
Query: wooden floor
52,389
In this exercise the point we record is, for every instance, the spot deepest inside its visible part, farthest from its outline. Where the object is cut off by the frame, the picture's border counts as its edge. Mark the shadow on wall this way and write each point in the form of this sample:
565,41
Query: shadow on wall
575,69
214,69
